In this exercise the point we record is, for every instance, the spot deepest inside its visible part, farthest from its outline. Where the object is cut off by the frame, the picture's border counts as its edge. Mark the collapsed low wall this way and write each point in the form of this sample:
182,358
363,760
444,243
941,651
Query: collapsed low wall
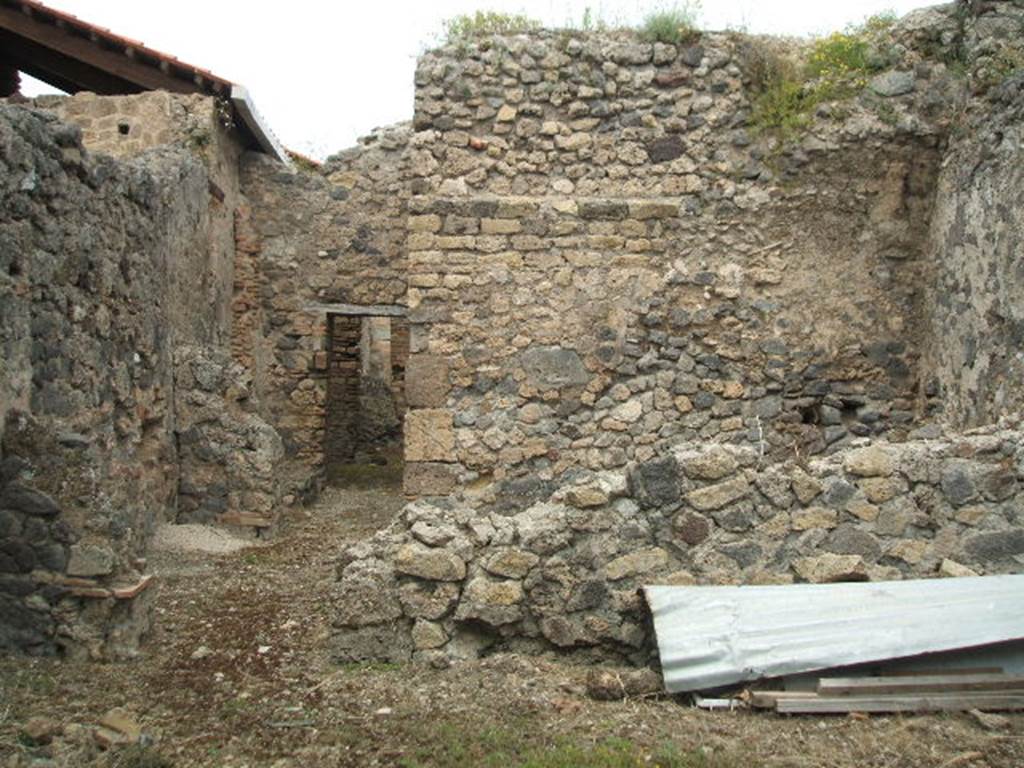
447,581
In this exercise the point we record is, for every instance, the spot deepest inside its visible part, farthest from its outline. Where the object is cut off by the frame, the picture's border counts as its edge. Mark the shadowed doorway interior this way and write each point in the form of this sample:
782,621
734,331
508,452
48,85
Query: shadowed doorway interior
365,399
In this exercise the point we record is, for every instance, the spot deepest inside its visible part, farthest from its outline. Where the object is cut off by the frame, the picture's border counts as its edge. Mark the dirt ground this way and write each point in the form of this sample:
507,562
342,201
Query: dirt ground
236,673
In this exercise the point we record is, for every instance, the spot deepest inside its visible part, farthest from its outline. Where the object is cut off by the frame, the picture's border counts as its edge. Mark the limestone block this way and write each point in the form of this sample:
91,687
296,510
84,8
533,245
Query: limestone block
586,496
511,563
635,563
421,600
428,563
499,226
90,560
805,487
814,517
429,435
427,635
428,479
492,602
829,568
628,412
911,551
879,490
719,495
426,223
953,569
711,464
869,462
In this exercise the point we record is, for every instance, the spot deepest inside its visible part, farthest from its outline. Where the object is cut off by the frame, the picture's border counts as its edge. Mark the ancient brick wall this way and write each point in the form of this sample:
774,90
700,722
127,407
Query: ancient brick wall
127,126
609,261
636,327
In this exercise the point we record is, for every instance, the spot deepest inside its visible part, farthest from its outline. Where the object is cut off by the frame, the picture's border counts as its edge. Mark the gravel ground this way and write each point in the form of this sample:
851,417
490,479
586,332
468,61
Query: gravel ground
197,538
237,674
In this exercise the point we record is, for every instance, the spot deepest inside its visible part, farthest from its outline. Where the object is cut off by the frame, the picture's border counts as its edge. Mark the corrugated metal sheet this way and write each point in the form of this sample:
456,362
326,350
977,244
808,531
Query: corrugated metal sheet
715,636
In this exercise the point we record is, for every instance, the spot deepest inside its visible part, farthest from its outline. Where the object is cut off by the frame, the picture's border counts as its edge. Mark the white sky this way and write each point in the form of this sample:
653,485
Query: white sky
324,72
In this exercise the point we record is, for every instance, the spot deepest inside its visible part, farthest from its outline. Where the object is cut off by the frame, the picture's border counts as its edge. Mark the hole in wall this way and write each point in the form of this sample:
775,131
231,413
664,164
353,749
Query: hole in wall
810,414
124,129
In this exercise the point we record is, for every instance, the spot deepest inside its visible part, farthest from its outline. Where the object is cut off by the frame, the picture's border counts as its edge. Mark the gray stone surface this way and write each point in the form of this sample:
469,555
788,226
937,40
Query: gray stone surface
894,83
554,367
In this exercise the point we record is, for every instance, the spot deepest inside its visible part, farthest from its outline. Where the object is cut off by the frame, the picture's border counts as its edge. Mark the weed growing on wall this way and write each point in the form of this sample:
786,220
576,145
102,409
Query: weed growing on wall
677,24
837,67
483,23
1002,64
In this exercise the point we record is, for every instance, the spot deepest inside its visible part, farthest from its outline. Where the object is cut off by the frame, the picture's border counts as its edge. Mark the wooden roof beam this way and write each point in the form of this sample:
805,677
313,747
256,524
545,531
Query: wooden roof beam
115,63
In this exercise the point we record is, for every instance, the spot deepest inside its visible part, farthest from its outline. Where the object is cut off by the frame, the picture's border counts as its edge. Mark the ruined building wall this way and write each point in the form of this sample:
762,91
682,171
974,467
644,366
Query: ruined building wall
647,325
977,288
310,240
609,262
86,418
124,127
111,420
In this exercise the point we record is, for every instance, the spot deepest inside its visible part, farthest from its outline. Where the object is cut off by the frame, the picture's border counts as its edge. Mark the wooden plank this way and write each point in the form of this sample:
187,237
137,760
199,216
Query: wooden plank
768,699
941,671
862,686
937,702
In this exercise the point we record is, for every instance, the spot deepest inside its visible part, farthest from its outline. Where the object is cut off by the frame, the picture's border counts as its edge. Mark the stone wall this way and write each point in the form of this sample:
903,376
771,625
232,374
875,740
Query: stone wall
309,240
977,293
86,414
126,126
449,581
229,458
651,346
608,261
118,408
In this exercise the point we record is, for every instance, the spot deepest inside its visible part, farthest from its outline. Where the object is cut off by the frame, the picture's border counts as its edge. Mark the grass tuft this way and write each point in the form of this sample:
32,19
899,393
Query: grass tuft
677,24
468,26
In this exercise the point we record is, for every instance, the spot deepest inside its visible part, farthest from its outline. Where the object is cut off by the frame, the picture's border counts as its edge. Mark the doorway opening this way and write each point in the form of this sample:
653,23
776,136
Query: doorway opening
365,406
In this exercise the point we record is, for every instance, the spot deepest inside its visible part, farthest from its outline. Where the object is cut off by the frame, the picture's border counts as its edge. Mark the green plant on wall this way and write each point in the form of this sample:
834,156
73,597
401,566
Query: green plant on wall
483,23
677,24
836,67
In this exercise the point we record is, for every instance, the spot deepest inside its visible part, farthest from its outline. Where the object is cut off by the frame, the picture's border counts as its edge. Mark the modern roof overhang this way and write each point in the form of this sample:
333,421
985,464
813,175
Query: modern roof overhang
74,56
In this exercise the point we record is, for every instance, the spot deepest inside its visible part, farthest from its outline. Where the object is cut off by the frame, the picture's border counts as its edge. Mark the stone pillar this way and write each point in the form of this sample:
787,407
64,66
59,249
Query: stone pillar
375,348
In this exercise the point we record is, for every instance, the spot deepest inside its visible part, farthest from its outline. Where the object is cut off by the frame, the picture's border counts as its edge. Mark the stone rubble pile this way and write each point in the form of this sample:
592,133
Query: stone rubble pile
447,581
